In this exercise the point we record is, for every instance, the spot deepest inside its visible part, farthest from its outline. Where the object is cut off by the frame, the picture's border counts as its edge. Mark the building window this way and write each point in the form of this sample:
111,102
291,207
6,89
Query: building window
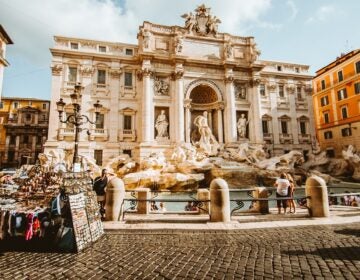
28,117
328,135
324,100
346,132
39,139
281,91
127,122
284,128
357,66
11,155
344,112
25,139
43,117
1,105
72,74
127,152
129,52
299,93
265,127
326,117
101,77
74,46
102,49
279,68
44,106
357,88
330,153
322,84
340,76
99,123
12,140
262,90
15,105
303,127
128,79
342,94
98,156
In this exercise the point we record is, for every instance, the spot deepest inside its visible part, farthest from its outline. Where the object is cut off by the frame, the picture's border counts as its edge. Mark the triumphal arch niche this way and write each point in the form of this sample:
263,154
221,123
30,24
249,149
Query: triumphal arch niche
201,69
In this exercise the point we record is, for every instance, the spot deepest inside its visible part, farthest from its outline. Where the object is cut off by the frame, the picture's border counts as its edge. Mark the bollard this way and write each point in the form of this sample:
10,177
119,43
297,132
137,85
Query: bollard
261,206
219,201
115,194
318,203
143,207
204,194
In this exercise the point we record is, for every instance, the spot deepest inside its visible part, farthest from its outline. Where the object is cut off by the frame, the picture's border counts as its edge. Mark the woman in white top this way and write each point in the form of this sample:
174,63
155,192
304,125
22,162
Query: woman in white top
282,189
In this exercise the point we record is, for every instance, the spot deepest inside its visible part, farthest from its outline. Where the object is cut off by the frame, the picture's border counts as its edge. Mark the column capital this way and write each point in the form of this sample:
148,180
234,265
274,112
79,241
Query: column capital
146,72
56,69
229,79
177,74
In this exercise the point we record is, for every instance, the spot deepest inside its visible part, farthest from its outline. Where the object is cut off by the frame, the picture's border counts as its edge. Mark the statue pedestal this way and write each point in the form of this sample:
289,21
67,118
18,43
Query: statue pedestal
243,140
162,140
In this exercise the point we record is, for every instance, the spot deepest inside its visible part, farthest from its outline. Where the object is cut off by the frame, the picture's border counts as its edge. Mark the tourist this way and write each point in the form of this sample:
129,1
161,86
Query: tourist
162,207
291,193
282,187
189,206
153,206
99,187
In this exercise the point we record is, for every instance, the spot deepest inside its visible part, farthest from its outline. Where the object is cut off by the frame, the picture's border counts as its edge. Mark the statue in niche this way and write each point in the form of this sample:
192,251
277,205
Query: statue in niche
161,125
207,139
228,50
161,87
178,43
241,126
146,41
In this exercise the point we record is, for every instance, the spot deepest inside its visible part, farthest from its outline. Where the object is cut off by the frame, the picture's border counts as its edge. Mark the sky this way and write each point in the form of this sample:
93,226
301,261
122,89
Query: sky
312,32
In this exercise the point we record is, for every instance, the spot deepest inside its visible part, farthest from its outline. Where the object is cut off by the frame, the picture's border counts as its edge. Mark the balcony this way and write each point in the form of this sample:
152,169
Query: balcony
304,138
98,134
285,138
268,137
66,132
301,103
283,103
127,134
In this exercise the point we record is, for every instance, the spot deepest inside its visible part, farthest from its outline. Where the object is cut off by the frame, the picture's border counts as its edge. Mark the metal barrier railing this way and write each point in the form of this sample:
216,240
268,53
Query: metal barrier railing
239,202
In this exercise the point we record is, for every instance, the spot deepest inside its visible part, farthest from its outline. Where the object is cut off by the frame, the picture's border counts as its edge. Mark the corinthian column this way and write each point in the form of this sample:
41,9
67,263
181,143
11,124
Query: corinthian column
179,103
230,111
147,106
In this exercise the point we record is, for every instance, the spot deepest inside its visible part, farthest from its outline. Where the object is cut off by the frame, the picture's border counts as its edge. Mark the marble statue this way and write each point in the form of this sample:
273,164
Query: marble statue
207,140
146,40
353,159
178,43
161,125
190,21
228,50
241,126
213,23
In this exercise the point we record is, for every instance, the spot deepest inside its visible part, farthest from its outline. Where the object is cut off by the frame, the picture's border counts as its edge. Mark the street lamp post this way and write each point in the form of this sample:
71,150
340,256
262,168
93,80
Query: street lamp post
76,118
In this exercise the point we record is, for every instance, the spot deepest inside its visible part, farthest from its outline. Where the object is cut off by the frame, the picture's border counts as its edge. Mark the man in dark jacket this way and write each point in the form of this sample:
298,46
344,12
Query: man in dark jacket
99,187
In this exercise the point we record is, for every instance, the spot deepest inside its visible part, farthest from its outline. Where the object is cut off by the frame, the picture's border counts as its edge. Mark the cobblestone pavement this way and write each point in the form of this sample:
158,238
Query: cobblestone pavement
309,252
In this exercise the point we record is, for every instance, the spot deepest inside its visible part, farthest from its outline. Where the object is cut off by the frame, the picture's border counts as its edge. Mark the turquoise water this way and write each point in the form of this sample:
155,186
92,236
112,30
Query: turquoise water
180,206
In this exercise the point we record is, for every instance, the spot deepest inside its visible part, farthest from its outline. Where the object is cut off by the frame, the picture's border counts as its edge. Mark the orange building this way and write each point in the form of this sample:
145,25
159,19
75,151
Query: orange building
336,100
23,130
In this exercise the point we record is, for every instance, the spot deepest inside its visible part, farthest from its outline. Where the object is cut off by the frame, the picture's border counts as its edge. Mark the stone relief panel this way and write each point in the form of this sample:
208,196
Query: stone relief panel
240,90
161,44
161,86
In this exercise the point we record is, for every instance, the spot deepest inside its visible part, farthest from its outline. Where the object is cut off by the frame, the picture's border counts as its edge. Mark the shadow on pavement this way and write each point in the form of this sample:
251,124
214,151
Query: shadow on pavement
348,231
340,253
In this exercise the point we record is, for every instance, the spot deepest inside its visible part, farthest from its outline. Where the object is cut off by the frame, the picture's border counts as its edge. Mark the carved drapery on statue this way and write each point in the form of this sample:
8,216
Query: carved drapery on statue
202,22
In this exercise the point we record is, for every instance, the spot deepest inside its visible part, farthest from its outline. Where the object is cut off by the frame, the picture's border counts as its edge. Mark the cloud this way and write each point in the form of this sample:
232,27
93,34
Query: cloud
322,14
293,8
32,26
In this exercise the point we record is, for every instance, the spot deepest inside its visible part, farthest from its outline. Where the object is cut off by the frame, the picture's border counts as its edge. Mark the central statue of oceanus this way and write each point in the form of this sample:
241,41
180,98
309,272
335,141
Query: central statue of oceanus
207,140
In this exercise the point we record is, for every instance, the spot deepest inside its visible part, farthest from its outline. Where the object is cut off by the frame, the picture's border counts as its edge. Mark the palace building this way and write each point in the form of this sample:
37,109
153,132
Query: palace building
179,72
336,101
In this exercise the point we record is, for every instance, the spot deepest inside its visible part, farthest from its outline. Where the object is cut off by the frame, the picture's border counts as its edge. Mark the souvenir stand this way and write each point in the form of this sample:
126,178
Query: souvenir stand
56,211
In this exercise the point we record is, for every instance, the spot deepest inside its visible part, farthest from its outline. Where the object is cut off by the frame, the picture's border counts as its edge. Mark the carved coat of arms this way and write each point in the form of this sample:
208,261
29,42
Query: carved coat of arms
203,23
